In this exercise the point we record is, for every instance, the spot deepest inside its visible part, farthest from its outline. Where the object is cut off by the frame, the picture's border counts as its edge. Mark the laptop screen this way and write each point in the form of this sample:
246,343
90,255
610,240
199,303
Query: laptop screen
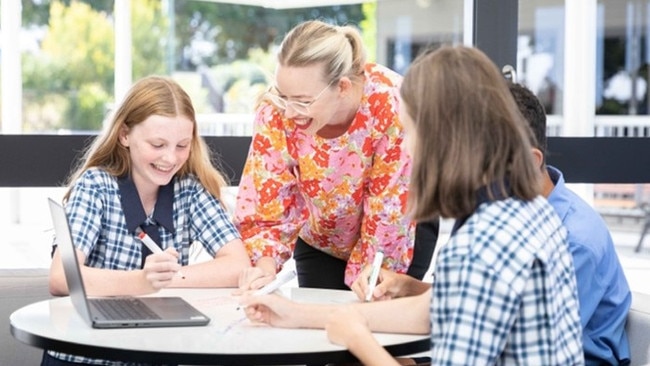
69,258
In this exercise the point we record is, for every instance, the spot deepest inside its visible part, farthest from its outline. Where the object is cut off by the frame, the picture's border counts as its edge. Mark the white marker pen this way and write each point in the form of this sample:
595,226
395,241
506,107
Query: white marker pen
149,243
282,278
374,275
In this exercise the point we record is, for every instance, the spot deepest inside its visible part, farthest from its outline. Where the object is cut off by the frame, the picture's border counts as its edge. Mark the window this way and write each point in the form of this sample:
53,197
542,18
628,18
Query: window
221,52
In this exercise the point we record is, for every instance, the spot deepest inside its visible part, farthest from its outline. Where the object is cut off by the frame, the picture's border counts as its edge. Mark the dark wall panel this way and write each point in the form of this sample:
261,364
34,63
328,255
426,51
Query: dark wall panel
601,159
495,30
46,160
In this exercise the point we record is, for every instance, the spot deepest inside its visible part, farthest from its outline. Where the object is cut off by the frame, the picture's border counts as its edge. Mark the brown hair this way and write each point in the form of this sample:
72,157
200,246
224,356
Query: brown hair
468,134
152,95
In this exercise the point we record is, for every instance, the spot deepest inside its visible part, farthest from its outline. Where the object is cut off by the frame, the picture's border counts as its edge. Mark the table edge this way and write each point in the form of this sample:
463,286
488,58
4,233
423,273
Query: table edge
94,351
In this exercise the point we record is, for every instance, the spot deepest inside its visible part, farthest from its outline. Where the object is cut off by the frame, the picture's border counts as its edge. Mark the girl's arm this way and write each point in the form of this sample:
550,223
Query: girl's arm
281,312
221,271
159,272
348,327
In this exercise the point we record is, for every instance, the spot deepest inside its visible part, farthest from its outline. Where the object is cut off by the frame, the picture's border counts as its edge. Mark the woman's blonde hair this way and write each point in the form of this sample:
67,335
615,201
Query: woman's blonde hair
468,132
152,95
339,48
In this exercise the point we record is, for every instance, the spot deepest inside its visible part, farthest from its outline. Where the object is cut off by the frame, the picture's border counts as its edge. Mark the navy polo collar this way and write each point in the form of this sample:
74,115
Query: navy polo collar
483,197
134,212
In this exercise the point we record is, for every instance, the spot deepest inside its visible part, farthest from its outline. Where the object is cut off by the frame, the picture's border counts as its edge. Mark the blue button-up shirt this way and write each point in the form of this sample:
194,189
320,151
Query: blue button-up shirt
603,290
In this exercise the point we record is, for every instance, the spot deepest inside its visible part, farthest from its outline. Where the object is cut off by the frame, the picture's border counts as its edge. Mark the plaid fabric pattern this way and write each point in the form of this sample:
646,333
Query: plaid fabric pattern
99,228
505,290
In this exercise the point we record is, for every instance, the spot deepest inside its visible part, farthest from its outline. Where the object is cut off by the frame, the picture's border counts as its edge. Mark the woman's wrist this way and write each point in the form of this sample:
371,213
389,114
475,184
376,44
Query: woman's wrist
267,265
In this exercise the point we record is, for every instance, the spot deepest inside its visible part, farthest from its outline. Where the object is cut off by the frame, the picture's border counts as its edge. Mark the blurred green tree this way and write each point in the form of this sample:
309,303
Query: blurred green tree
210,33
76,61
69,83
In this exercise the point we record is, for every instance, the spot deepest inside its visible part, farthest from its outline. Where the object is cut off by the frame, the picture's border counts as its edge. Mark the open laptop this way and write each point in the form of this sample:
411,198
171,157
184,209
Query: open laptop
117,312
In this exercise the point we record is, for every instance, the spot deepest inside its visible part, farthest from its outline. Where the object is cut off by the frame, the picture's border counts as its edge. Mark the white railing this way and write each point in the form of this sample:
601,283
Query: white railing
607,126
230,124
554,125
225,124
622,126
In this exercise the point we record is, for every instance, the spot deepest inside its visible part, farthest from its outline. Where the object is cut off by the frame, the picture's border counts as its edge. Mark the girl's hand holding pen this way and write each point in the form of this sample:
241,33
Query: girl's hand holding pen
274,310
160,268
155,249
364,286
389,285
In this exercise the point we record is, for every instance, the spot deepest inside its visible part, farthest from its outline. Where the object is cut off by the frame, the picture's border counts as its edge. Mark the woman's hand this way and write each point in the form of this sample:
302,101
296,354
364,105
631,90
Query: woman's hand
253,278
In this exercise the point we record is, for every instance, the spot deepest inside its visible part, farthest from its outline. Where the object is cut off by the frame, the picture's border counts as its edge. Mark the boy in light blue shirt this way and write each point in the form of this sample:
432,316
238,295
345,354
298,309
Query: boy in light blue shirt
603,291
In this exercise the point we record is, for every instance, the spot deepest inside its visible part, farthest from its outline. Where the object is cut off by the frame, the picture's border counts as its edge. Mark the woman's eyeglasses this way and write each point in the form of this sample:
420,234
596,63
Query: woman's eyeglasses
298,107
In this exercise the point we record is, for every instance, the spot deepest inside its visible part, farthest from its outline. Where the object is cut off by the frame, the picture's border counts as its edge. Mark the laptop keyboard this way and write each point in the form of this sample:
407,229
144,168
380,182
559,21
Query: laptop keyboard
124,308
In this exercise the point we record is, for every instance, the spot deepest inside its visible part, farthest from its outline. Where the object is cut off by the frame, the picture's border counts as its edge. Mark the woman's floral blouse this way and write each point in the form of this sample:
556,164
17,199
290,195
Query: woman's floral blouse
345,196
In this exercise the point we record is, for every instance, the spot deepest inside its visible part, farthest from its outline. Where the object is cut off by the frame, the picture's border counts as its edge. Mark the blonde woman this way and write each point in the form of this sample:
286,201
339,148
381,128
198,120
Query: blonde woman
326,179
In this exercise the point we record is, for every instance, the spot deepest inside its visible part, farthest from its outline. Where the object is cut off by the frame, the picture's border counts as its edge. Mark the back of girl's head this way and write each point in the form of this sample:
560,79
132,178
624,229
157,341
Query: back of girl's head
152,95
338,48
468,134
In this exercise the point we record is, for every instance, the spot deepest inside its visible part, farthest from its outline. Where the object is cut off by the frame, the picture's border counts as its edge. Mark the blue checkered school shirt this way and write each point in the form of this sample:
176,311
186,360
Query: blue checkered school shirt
505,291
99,228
